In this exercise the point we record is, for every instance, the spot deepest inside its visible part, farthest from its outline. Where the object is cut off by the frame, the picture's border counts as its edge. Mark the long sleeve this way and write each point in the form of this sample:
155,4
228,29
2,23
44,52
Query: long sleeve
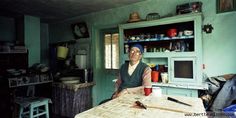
147,77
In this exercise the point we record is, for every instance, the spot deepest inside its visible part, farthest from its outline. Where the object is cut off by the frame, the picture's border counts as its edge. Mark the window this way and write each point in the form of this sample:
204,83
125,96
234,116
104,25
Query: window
111,43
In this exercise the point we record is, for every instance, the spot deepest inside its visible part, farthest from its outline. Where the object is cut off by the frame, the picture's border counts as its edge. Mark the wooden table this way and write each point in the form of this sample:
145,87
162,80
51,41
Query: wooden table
124,107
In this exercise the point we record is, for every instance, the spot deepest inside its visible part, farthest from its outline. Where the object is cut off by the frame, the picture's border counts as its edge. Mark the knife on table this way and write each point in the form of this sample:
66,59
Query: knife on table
158,107
141,104
177,101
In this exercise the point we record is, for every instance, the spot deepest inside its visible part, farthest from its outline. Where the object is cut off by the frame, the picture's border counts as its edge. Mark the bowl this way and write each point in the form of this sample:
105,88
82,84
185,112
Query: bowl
152,16
71,82
188,32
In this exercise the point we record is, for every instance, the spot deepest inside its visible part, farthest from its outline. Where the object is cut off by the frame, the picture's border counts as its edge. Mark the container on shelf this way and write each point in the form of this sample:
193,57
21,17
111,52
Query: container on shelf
155,76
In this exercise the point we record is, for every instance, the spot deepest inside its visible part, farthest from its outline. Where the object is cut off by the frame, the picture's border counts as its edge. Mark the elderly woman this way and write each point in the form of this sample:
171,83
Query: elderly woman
134,75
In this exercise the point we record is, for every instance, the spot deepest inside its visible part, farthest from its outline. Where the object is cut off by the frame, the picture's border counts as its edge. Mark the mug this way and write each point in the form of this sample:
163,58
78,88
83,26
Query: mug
164,77
147,90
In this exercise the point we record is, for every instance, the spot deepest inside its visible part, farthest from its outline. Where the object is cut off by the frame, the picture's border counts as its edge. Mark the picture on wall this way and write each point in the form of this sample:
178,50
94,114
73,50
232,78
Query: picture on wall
80,30
225,5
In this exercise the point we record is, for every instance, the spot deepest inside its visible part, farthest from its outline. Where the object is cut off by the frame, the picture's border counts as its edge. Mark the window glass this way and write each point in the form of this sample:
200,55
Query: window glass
111,50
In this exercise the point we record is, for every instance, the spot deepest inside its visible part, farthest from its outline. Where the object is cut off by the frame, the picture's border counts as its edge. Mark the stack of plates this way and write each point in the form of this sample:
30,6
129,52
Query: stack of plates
70,80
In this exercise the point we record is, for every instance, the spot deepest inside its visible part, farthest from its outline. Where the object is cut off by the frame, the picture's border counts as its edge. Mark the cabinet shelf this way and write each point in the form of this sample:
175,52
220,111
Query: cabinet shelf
159,40
202,86
64,43
165,54
30,84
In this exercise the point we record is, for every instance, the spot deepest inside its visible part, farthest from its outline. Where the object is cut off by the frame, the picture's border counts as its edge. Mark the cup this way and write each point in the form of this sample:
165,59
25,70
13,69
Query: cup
155,76
162,36
156,91
180,33
147,90
164,77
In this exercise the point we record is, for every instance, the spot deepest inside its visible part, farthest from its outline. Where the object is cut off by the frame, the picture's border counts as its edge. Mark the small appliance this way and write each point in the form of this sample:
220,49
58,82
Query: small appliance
190,7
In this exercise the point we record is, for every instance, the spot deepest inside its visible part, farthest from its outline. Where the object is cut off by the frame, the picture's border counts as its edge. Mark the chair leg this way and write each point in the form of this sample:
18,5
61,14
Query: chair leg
21,112
31,114
37,111
47,111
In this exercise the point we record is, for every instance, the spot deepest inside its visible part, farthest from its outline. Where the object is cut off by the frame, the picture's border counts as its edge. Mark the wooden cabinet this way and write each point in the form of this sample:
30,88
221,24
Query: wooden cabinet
71,99
9,60
13,61
173,42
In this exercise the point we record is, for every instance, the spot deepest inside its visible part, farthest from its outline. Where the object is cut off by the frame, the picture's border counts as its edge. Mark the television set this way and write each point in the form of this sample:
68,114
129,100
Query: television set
183,70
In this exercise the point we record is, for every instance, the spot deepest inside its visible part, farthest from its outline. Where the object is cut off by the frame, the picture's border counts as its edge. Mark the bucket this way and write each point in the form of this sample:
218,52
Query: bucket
62,52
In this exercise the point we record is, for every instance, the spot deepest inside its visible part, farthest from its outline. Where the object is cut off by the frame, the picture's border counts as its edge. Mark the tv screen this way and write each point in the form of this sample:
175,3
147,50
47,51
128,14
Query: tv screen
183,69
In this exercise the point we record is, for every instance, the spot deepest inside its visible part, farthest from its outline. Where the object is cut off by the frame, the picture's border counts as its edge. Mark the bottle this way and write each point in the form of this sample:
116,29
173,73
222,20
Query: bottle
145,48
126,48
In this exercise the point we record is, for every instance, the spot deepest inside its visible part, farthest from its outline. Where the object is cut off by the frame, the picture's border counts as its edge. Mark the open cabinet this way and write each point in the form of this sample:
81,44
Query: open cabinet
172,42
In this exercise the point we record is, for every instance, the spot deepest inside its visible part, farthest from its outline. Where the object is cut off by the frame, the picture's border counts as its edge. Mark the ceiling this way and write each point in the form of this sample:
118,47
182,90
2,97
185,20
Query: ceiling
56,10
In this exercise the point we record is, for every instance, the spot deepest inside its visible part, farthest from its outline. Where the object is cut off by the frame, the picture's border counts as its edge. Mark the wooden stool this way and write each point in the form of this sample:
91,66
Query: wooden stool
33,107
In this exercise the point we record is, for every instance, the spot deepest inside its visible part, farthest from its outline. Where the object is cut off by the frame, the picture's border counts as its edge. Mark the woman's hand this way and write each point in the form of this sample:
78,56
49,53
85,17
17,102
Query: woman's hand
114,95
123,92
117,94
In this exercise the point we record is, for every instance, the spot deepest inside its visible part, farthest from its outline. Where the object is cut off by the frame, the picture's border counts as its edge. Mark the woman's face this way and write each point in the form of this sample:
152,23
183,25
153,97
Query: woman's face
134,54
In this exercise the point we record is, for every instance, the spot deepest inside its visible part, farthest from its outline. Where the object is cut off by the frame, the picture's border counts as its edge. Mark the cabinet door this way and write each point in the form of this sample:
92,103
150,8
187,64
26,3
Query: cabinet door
182,92
164,90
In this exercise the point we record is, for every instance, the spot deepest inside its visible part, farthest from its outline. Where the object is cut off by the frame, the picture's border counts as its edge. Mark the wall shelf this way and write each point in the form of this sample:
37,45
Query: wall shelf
160,39
63,42
29,80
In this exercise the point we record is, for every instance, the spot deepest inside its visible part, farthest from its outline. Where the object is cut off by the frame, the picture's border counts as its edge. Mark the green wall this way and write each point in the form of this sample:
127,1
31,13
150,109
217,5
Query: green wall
218,47
44,43
32,38
7,29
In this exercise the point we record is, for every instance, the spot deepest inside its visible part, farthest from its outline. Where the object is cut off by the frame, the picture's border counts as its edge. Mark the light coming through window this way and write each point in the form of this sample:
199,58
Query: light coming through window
111,50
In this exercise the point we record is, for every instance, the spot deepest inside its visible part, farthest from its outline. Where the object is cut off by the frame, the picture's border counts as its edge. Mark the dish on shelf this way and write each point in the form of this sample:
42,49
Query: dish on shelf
188,32
71,82
69,78
161,39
